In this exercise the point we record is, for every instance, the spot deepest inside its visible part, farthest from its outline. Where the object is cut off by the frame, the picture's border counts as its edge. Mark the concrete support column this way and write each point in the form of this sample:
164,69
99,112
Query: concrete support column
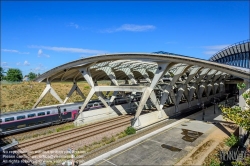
86,74
191,91
200,91
161,70
209,88
222,87
216,85
155,102
179,95
166,91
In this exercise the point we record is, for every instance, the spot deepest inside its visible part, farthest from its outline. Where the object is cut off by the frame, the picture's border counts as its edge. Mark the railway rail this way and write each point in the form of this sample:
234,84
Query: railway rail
46,138
89,131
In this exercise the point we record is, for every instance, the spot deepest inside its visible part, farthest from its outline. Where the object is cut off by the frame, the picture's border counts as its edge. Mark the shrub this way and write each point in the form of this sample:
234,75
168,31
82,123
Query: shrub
232,141
214,162
241,85
86,87
130,130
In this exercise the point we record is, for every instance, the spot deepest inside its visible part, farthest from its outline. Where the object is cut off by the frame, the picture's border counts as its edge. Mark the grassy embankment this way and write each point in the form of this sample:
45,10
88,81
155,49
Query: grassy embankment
23,96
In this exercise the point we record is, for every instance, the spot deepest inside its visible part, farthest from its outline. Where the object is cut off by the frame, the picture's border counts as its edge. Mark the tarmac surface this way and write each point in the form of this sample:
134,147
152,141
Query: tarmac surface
170,145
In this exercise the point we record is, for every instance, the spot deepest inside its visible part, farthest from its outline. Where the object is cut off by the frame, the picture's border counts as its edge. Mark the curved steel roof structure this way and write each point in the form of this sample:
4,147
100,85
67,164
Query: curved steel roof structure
149,73
134,64
235,55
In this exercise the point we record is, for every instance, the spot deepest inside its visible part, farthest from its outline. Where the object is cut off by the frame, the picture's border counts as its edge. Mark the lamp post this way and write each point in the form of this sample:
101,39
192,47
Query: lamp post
202,107
214,105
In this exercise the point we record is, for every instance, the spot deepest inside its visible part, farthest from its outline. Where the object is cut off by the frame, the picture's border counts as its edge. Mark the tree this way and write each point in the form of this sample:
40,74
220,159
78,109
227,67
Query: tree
32,76
1,73
240,116
14,75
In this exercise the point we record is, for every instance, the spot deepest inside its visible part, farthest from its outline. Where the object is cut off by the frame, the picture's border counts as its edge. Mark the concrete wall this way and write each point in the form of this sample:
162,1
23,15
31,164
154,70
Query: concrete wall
102,114
182,106
148,119
194,103
170,111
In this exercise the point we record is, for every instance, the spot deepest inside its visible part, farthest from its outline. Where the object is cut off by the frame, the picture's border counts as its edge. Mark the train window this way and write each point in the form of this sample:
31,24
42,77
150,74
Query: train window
9,119
0,120
80,107
40,113
48,112
64,110
31,115
20,117
95,104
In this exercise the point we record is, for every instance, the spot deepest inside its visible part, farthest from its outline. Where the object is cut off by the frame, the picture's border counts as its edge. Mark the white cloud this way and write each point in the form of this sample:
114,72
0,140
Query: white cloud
40,68
40,53
4,65
68,49
74,25
26,63
171,42
131,28
14,51
18,63
216,47
211,50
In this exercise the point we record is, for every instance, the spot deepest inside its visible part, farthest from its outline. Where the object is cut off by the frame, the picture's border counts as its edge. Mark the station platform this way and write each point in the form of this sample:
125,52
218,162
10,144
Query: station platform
165,146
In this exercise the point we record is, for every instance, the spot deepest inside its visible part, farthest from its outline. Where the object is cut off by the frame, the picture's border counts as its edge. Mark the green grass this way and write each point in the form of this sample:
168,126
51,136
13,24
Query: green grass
232,141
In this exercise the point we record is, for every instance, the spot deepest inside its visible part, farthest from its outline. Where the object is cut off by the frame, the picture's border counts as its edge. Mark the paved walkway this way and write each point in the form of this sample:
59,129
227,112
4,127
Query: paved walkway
169,146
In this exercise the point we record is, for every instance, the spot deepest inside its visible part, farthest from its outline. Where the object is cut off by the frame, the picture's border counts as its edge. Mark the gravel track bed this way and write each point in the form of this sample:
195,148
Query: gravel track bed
76,145
68,132
73,135
37,131
19,137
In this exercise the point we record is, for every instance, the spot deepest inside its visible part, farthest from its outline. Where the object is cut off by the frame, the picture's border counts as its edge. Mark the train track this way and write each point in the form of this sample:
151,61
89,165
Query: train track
46,138
110,124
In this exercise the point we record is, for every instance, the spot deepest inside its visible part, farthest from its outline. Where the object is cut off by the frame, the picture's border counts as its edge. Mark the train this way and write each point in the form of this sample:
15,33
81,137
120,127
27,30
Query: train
20,121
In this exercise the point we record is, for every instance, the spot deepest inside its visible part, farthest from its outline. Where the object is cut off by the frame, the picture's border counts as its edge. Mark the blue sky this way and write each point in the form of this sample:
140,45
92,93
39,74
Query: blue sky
38,36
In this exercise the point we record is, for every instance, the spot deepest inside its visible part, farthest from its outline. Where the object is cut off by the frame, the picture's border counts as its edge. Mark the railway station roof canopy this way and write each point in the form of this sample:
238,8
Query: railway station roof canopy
236,55
137,65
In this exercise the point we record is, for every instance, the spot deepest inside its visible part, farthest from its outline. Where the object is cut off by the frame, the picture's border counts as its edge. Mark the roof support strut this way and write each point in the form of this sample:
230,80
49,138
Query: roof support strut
74,88
47,89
